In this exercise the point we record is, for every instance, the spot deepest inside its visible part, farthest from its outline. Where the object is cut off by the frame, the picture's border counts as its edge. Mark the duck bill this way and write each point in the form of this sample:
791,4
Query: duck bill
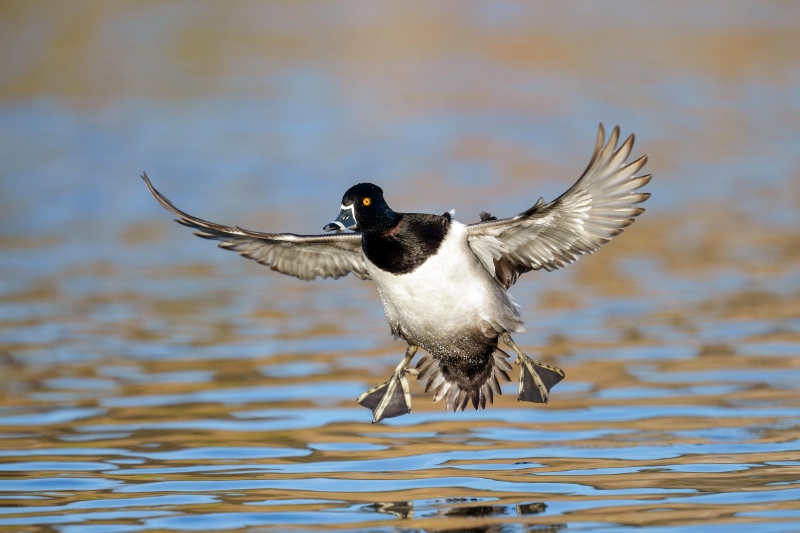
345,220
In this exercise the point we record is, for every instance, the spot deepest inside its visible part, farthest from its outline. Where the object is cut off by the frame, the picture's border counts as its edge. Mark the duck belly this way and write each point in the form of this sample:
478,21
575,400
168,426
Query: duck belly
449,302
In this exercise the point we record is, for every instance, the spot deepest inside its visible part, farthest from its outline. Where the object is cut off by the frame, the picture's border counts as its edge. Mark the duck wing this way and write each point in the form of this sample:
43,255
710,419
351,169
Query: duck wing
549,236
301,256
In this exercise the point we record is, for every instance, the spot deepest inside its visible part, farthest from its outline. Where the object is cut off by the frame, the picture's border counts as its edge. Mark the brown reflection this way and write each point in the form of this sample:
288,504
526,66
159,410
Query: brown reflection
531,508
716,350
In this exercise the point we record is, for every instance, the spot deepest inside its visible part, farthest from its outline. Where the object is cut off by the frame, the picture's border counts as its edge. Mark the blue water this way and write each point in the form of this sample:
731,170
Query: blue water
151,382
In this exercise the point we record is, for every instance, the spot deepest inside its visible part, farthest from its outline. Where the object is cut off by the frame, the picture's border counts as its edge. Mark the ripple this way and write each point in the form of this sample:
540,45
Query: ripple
322,392
46,466
151,382
53,416
386,485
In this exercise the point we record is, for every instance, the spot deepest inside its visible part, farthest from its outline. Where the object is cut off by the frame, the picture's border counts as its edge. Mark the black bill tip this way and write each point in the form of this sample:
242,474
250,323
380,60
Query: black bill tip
334,226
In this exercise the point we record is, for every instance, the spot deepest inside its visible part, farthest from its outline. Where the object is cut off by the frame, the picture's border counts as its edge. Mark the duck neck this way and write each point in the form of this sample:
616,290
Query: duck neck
385,225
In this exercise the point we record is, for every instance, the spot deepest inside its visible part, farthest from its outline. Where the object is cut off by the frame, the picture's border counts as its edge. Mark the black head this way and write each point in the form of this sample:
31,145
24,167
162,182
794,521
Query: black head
364,209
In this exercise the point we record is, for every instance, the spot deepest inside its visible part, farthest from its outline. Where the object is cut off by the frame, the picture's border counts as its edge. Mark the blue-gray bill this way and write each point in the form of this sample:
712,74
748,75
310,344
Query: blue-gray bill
345,220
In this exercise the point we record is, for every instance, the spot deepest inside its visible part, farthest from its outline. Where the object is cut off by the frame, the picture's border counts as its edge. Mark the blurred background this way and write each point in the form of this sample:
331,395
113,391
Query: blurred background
142,369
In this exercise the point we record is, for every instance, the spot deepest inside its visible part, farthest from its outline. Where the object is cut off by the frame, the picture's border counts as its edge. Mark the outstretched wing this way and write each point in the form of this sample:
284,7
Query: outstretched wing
593,211
302,256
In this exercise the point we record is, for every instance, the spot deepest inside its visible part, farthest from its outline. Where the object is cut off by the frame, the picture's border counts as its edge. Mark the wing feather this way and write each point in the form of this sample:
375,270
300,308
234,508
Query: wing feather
302,256
548,236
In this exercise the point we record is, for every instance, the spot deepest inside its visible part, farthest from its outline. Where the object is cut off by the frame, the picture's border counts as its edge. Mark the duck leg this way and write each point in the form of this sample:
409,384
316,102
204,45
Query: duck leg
393,397
535,378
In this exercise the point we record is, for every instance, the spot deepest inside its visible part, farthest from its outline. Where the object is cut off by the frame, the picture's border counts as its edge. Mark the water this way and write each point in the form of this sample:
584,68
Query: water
150,382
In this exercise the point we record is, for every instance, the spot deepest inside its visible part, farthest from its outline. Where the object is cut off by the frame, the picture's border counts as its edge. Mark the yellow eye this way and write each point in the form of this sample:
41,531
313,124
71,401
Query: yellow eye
367,201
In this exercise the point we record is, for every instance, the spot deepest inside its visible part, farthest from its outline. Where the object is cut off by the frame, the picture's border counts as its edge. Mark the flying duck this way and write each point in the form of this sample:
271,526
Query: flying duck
444,284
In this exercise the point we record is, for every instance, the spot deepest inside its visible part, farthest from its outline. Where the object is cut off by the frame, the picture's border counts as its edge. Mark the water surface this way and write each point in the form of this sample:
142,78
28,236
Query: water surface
150,382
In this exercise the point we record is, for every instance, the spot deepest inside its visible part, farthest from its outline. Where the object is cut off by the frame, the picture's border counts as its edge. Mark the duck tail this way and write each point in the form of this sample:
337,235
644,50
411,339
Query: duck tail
458,389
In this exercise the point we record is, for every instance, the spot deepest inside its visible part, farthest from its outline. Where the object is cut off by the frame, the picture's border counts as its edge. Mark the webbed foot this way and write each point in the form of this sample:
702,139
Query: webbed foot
535,378
392,398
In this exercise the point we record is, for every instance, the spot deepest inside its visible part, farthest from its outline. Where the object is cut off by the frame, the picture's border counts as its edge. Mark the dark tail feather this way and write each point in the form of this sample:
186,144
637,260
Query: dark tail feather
458,393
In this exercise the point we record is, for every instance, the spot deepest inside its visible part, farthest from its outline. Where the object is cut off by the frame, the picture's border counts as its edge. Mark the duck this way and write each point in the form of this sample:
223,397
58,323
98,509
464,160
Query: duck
444,284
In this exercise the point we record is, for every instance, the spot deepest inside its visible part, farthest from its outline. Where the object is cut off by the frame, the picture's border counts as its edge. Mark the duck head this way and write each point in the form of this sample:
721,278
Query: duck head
364,209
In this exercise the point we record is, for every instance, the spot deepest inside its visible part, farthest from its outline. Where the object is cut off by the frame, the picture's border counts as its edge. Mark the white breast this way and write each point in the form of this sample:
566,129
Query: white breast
450,294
